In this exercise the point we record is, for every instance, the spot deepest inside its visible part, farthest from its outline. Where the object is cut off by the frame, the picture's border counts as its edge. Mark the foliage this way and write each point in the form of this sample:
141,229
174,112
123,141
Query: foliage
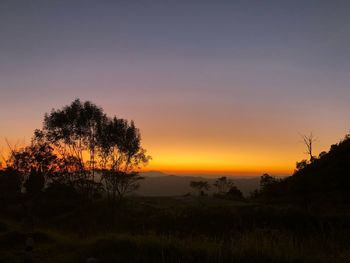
37,159
120,183
321,180
121,154
225,188
10,184
200,186
223,185
235,193
267,181
88,141
81,147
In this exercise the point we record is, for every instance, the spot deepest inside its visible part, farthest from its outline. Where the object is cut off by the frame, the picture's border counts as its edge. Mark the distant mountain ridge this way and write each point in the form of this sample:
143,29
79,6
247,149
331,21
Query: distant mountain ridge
153,173
161,184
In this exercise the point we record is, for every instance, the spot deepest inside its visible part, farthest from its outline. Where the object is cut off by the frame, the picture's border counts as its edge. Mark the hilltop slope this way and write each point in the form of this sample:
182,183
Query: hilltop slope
326,178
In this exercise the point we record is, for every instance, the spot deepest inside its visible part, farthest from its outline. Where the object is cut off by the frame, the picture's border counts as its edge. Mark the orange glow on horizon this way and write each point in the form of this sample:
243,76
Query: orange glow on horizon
213,88
189,157
188,166
197,145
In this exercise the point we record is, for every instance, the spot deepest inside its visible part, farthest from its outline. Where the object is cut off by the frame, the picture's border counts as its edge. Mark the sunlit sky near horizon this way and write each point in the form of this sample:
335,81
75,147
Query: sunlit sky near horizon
216,87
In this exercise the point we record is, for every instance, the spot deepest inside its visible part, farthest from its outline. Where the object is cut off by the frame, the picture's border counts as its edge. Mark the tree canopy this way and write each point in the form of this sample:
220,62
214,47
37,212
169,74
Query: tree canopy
81,146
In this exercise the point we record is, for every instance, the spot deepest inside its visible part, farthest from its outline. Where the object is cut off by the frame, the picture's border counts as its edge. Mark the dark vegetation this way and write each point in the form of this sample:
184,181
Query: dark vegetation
176,185
321,181
69,192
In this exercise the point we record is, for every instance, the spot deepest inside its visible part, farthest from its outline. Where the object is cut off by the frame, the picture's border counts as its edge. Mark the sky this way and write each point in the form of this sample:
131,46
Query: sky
215,87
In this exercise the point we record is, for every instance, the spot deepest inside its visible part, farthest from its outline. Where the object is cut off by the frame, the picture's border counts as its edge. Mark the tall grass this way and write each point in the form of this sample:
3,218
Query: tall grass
170,231
258,245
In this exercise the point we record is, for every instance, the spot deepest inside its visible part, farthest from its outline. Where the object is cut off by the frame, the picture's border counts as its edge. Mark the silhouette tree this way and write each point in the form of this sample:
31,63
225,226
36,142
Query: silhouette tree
234,193
121,155
73,132
87,141
266,181
37,159
301,165
200,186
309,140
223,185
322,154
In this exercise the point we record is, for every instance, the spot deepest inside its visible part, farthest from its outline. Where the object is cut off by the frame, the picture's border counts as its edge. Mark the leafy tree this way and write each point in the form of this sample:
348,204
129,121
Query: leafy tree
266,181
200,186
227,189
121,155
322,154
73,131
81,147
271,188
223,185
235,193
301,165
88,141
38,159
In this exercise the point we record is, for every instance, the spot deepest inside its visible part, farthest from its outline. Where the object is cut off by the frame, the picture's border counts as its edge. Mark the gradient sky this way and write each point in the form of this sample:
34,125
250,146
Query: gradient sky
214,86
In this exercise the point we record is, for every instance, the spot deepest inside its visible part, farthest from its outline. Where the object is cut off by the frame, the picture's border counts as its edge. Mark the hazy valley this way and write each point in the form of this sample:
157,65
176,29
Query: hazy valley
161,184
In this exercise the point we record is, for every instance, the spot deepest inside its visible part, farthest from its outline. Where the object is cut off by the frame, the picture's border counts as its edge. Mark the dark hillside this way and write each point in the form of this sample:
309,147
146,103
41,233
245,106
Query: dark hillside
324,179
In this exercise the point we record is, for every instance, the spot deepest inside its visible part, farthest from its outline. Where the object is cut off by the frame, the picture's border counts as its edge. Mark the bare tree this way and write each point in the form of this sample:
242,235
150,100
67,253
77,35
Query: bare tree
309,141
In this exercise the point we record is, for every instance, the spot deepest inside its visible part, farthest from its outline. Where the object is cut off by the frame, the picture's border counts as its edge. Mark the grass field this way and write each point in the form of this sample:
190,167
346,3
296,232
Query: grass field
182,230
